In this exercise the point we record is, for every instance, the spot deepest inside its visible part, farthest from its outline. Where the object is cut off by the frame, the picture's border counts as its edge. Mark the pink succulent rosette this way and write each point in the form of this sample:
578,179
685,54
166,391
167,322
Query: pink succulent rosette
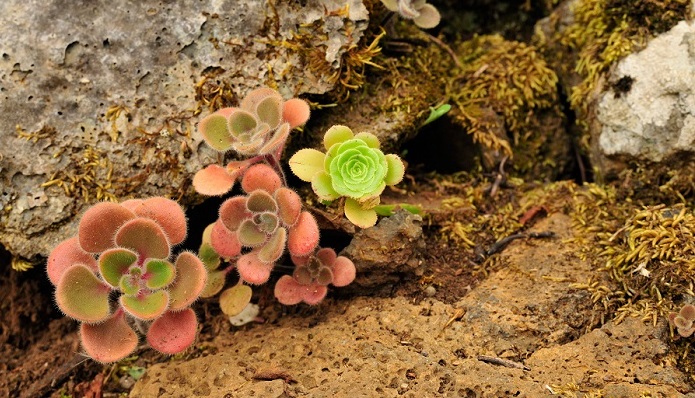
268,219
683,320
312,275
126,248
259,126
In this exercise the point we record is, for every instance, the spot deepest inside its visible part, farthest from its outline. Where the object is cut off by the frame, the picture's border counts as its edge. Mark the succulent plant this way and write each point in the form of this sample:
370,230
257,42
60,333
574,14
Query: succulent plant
423,14
353,167
258,127
312,275
126,248
266,220
684,320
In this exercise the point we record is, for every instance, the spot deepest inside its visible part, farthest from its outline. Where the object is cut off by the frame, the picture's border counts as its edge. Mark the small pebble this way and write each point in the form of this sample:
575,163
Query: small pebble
430,291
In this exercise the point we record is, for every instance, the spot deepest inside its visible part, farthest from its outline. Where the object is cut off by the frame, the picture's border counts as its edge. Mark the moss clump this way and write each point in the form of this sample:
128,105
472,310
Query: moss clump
506,97
601,33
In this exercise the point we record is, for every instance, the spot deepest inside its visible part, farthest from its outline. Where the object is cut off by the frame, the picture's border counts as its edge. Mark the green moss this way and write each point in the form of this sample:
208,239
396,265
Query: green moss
601,33
506,98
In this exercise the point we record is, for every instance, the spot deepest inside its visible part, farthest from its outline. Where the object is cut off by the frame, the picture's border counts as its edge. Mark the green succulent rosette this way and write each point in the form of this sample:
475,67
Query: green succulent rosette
353,167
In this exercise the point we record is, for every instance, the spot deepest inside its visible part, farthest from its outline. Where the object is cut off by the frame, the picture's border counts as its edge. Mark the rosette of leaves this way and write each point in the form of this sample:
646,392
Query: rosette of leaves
312,275
259,126
683,320
117,271
353,167
424,15
268,219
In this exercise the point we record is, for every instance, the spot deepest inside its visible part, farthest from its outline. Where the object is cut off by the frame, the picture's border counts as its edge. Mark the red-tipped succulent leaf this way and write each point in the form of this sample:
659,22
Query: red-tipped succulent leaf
296,112
304,235
145,237
261,176
253,270
189,283
223,241
168,214
83,296
173,332
65,255
109,341
99,224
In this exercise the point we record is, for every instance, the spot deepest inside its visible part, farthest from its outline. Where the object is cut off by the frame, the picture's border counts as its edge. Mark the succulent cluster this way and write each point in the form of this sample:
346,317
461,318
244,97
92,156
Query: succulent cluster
312,275
258,127
118,270
684,320
353,167
423,14
268,219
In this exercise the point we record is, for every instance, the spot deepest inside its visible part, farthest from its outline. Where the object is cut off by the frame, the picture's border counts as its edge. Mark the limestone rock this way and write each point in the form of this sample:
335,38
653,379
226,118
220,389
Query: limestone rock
651,117
387,252
100,100
390,347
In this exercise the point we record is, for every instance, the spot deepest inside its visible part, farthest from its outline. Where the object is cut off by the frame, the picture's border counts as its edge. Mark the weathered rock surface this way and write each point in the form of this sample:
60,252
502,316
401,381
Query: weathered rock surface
100,100
387,252
655,119
524,313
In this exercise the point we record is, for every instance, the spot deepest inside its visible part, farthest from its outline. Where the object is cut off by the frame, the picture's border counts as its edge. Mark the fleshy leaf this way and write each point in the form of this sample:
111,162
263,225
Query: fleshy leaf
288,291
370,139
429,17
64,256
225,242
114,263
289,205
146,306
261,176
209,256
214,180
158,273
145,237
252,270
325,276
688,312
109,341
241,122
359,216
250,234
168,214
276,141
396,170
269,110
215,132
83,296
306,163
191,277
173,332
314,294
296,112
322,184
261,201
254,97
304,235
233,211
99,224
235,299
336,135
274,247
215,283
326,256
343,271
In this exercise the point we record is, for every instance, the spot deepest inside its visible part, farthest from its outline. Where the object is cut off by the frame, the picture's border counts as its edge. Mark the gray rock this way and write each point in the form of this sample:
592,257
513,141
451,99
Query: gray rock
655,119
100,99
387,252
